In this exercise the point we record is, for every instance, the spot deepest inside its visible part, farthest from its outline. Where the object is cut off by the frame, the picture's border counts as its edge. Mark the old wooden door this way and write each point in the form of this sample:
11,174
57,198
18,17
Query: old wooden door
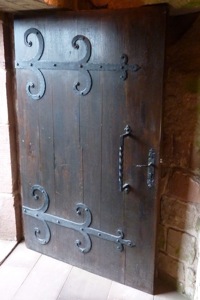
89,100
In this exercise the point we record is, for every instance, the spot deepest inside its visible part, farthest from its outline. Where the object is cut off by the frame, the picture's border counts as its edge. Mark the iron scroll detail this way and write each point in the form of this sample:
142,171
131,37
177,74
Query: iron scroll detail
30,86
84,60
39,193
83,65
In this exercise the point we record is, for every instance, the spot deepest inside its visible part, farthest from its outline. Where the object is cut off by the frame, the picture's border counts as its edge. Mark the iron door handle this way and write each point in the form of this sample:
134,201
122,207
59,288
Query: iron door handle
150,168
123,186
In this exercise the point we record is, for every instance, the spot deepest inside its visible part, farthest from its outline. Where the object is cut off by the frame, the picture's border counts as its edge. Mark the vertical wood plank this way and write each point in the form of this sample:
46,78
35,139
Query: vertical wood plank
90,138
113,125
70,143
68,151
145,97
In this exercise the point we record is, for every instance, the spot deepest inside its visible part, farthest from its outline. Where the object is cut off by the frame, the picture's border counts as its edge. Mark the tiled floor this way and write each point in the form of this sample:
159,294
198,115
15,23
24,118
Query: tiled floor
28,275
6,247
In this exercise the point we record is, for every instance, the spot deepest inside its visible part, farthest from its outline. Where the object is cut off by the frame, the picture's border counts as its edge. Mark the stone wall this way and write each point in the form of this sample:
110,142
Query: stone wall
10,223
179,226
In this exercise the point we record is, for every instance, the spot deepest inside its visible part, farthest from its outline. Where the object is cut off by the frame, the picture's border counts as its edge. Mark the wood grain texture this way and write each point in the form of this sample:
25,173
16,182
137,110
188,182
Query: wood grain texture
70,143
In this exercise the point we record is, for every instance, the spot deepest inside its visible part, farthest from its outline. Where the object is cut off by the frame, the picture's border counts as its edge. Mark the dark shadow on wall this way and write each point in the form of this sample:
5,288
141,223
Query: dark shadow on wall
180,171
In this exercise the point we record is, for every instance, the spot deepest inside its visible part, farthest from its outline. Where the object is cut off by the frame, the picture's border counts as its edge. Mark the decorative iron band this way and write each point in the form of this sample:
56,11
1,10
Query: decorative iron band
83,65
84,228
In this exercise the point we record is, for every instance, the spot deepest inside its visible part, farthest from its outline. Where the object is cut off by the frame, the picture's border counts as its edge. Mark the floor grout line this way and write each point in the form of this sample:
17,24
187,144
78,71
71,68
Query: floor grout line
9,253
113,291
27,275
64,282
109,290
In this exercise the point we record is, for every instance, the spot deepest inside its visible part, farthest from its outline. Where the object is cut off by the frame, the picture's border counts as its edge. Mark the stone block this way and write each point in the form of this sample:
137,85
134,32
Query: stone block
174,239
190,283
197,227
184,187
161,240
3,98
7,217
171,267
179,215
2,54
6,185
5,170
163,180
181,245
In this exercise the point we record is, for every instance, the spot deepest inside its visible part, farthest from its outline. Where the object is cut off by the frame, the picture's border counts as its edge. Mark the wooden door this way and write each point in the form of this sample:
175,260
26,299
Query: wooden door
89,101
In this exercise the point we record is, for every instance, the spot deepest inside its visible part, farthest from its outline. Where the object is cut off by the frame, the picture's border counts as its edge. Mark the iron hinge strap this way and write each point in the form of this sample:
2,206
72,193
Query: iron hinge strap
83,228
76,66
36,65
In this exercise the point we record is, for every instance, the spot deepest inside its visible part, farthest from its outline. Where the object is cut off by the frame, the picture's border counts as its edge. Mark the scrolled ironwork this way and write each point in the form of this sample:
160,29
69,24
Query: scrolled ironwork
30,86
84,66
88,46
42,194
29,43
88,84
86,74
83,228
83,209
43,240
38,193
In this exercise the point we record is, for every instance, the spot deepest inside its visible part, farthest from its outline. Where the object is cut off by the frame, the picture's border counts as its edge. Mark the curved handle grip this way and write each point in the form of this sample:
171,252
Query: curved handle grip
123,187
